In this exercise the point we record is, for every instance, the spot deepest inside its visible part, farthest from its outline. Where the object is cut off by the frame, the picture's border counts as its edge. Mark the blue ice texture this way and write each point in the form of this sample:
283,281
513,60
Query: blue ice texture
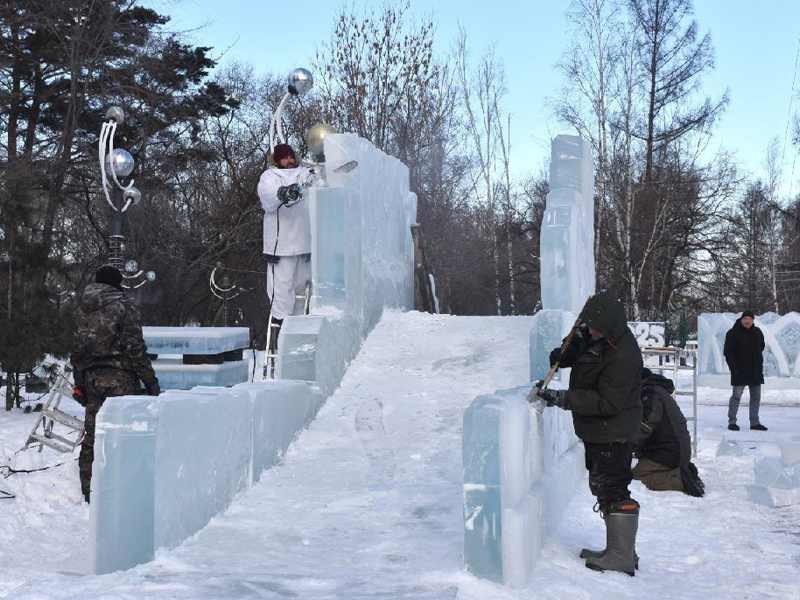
362,261
164,466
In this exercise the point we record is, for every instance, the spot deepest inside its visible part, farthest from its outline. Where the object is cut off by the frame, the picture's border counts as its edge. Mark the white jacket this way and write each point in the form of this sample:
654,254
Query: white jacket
287,229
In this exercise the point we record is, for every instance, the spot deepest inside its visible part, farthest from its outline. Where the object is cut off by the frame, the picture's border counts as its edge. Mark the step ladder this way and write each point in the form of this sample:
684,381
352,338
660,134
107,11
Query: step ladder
273,329
677,360
70,429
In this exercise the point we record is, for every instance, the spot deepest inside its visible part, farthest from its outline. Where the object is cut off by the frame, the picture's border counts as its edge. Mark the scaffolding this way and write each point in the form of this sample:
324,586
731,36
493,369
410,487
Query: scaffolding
676,360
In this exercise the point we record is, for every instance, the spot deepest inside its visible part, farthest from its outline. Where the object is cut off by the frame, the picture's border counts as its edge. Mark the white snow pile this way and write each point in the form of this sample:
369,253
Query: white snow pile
367,502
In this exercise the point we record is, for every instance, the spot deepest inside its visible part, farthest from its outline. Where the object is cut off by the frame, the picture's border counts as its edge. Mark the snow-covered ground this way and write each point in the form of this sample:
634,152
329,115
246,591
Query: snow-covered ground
367,502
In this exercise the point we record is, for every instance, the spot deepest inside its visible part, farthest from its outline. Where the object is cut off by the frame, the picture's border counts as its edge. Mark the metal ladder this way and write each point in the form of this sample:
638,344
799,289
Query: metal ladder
680,359
271,351
42,432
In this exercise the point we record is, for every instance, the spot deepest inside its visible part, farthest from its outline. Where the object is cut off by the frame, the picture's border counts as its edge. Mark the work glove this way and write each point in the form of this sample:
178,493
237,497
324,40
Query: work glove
289,195
555,356
153,389
692,484
79,395
553,397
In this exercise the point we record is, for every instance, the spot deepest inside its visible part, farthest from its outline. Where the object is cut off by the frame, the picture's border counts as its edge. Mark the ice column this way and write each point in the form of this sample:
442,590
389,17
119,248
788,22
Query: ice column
567,274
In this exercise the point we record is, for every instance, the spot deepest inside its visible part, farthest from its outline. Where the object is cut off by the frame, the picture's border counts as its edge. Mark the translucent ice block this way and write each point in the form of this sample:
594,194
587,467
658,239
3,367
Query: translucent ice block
195,340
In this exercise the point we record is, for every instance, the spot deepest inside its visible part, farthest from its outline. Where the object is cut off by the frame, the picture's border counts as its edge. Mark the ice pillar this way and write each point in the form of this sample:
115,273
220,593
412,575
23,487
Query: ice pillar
567,274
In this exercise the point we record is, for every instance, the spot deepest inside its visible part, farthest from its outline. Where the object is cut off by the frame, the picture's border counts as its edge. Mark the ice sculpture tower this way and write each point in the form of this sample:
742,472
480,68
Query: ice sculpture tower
567,274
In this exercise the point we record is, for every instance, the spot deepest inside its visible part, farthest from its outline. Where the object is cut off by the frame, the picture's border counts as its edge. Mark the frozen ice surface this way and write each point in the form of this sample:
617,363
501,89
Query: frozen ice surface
567,236
549,329
164,466
518,474
770,472
781,352
729,448
195,340
177,376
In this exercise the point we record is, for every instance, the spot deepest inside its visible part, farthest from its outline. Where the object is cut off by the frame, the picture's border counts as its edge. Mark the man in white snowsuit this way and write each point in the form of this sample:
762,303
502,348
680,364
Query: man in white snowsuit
287,233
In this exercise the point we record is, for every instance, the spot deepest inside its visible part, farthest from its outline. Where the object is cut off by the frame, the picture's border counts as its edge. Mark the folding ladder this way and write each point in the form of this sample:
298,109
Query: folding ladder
678,359
70,429
273,329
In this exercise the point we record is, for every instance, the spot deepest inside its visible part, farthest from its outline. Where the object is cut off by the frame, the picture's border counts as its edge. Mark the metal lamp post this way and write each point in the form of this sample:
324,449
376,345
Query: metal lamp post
224,291
116,165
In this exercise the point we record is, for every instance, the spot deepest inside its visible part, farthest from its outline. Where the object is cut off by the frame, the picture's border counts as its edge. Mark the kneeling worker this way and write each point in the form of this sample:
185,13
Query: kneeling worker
663,445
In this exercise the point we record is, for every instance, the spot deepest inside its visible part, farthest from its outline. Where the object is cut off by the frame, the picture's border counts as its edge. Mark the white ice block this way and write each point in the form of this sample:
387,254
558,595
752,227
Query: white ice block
195,340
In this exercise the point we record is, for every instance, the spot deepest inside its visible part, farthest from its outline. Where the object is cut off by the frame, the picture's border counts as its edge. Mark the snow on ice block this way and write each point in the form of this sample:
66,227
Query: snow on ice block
773,497
729,448
790,452
771,472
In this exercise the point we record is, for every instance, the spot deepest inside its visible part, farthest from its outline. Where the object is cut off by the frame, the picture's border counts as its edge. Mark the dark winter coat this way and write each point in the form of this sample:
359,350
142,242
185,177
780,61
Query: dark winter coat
108,335
665,438
744,353
605,383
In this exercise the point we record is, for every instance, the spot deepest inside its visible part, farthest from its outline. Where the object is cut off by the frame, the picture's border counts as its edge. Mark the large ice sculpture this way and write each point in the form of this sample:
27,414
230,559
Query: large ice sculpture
781,352
519,474
164,466
519,471
362,260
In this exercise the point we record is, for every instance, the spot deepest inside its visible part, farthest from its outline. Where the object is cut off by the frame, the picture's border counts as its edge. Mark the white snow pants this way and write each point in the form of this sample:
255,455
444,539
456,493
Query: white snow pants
286,280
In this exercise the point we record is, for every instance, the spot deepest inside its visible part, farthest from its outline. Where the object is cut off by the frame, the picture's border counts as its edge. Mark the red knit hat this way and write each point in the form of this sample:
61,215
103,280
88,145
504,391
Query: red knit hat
281,151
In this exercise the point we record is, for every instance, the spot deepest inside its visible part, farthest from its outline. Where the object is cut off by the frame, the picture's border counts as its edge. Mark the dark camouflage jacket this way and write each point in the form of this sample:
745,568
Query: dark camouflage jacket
108,333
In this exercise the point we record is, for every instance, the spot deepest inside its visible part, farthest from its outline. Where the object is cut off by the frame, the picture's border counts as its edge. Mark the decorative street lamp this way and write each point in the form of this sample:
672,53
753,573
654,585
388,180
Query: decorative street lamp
116,165
223,290
300,81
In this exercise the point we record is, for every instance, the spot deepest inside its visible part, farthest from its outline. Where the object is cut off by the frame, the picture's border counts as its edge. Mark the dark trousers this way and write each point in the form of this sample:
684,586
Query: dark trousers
609,467
100,384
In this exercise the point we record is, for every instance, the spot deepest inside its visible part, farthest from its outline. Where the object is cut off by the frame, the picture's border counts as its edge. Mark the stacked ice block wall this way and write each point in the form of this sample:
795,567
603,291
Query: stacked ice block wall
164,466
362,260
520,468
781,352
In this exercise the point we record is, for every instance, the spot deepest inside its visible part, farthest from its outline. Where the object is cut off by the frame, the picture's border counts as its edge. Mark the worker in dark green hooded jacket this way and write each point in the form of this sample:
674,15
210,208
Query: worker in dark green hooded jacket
604,396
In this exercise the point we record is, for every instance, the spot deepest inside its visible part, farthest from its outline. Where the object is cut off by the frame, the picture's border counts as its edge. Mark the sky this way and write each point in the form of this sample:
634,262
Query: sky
756,45
367,502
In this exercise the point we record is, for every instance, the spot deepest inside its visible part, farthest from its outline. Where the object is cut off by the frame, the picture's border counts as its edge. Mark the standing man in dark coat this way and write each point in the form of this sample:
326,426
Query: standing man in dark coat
604,396
663,444
744,353
109,356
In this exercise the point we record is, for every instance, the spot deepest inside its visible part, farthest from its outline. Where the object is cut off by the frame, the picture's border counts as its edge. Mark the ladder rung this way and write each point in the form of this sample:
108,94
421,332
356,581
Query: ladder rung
63,418
54,442
677,393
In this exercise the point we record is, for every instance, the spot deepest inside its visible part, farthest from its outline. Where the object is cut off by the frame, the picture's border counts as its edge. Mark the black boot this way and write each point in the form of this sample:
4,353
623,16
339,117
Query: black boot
622,522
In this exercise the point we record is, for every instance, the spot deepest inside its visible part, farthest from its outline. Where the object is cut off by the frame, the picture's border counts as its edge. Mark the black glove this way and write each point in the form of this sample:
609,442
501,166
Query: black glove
553,397
153,389
692,484
79,395
555,356
290,194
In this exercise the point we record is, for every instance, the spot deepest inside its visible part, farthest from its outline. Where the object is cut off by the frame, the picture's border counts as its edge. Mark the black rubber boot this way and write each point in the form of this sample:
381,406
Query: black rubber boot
622,522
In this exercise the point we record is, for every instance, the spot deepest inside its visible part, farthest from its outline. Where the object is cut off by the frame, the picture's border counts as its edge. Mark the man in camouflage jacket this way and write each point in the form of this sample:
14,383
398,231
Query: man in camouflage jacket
109,356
